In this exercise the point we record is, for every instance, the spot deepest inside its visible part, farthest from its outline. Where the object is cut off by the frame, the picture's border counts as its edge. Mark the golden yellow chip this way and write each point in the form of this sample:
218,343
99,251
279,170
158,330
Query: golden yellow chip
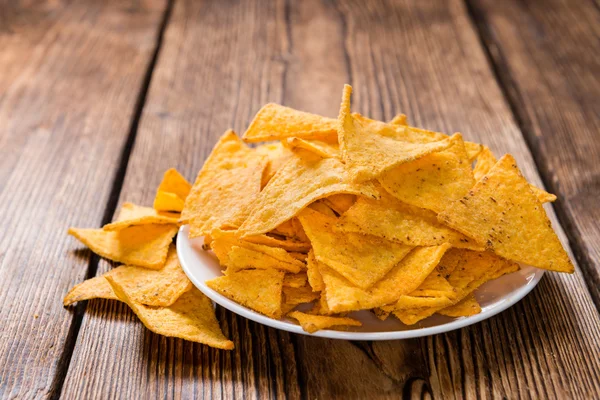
502,213
166,201
435,285
228,183
132,214
393,220
368,154
276,122
318,147
405,277
414,315
485,162
312,323
434,180
465,308
399,119
286,244
242,258
362,259
298,256
407,302
315,279
143,246
286,229
295,280
277,156
257,289
304,294
340,203
94,288
322,208
174,182
191,317
295,186
381,314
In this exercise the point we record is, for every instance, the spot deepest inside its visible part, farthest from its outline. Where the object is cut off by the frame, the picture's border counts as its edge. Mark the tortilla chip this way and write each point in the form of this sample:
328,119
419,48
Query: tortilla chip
485,162
399,119
435,285
286,244
411,302
299,295
414,315
465,308
277,156
257,289
315,279
286,228
298,256
368,154
191,317
143,246
502,213
405,277
166,201
295,186
174,182
322,208
94,288
295,280
132,214
361,259
312,323
432,181
393,220
340,203
381,314
318,147
276,122
228,183
240,258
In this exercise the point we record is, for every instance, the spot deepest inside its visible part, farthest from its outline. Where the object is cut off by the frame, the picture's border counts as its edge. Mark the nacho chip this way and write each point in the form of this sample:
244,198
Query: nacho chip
132,214
174,182
216,199
399,119
318,147
312,323
277,156
405,277
191,317
295,280
361,259
240,258
393,220
276,122
143,246
315,279
368,154
432,181
286,228
166,201
435,285
340,203
381,314
286,244
295,186
299,295
94,288
407,302
485,162
502,213
412,316
322,208
257,289
465,308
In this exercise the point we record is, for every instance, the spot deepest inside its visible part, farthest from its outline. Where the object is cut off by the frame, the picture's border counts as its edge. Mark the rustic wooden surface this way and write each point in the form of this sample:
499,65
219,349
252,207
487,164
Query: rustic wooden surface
516,77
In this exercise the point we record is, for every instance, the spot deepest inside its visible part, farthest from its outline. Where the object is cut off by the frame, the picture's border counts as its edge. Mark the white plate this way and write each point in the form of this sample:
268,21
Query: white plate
494,297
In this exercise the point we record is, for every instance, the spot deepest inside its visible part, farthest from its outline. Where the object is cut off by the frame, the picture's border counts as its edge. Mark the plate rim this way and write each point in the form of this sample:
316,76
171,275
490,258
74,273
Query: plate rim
458,323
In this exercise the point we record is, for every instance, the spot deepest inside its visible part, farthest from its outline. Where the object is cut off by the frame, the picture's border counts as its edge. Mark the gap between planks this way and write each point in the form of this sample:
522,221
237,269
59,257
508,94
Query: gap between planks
65,358
510,91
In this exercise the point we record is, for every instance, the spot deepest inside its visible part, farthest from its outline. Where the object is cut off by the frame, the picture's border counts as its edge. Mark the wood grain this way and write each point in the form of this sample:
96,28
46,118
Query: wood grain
221,61
542,53
69,80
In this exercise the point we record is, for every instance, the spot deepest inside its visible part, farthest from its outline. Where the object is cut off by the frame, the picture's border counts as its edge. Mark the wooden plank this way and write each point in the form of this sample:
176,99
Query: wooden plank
70,75
541,50
218,65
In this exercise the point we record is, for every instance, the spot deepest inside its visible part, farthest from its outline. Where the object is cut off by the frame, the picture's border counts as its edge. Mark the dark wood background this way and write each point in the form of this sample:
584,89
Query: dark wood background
97,99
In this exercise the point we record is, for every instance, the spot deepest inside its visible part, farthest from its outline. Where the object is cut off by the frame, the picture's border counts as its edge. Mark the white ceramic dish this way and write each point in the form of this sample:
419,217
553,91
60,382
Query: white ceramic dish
494,297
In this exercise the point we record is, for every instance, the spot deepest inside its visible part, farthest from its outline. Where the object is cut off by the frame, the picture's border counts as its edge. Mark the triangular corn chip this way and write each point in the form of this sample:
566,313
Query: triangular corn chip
485,162
286,244
240,258
405,277
464,308
435,285
229,181
276,122
318,147
132,214
368,154
295,280
408,302
277,156
295,186
502,213
399,119
174,182
191,317
144,245
432,181
313,273
393,220
312,323
94,288
340,203
257,289
167,201
320,207
362,259
299,295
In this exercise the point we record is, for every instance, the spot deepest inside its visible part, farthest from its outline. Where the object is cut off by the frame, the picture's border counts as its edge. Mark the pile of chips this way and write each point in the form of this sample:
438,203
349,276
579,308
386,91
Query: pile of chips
330,217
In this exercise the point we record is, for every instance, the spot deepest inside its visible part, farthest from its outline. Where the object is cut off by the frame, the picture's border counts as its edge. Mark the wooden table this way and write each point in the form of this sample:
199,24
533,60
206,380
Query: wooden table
98,98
